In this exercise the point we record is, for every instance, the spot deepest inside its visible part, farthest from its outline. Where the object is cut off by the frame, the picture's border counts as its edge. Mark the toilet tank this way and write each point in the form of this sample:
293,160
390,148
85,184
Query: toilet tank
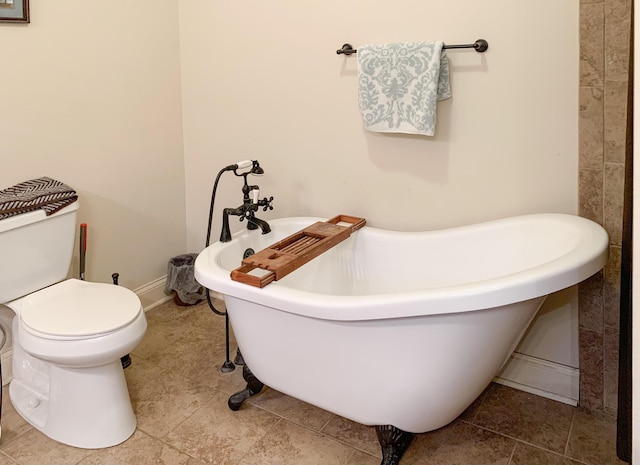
35,250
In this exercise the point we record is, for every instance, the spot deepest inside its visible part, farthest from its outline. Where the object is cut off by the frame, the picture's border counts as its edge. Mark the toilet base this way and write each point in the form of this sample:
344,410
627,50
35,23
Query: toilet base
87,408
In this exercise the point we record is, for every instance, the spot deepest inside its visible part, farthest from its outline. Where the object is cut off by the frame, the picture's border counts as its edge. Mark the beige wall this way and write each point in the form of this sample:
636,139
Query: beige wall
91,96
266,83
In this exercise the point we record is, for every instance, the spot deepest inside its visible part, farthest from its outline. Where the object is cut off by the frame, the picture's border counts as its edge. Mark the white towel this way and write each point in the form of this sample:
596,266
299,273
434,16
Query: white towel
399,85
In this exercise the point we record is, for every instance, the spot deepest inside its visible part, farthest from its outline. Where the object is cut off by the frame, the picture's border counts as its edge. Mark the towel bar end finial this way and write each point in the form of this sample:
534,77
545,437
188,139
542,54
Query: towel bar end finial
347,49
481,45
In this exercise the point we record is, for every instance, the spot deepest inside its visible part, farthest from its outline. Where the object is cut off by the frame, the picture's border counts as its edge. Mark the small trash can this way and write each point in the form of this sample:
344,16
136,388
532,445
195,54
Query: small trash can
182,282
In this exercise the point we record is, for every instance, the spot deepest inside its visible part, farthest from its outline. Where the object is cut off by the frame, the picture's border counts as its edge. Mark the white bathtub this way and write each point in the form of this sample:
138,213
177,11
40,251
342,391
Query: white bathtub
396,328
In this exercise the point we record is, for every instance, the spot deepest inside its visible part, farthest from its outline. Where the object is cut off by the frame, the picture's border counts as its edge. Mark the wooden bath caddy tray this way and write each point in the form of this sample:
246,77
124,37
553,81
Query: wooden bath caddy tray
291,253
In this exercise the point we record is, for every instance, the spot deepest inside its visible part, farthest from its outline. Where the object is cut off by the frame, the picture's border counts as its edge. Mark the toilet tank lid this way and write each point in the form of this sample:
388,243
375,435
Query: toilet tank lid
23,219
75,308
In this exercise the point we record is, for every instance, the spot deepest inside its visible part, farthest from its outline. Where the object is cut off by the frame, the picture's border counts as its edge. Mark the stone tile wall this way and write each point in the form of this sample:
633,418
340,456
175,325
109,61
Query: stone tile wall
604,64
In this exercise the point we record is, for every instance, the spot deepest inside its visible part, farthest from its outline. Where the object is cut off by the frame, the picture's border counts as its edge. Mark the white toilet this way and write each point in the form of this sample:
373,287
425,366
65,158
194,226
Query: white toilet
68,335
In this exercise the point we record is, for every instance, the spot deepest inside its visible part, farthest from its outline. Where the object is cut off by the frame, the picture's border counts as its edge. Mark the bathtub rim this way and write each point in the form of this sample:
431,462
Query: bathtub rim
494,292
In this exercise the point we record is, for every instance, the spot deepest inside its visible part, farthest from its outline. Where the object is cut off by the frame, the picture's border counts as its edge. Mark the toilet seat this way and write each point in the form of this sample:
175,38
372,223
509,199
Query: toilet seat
75,309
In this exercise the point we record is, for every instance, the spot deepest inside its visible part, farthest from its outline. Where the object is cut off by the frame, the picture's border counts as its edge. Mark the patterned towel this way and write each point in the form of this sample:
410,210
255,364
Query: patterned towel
42,193
399,85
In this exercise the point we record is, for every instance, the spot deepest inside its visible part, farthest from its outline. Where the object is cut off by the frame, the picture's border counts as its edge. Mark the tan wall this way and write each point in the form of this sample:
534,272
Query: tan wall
266,83
91,96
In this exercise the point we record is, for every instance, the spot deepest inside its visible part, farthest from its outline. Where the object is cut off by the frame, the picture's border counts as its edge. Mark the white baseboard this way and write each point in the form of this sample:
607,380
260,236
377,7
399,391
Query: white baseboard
541,377
151,295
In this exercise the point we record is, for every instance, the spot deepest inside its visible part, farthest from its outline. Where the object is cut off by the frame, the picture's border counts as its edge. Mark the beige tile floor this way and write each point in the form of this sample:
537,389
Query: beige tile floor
180,398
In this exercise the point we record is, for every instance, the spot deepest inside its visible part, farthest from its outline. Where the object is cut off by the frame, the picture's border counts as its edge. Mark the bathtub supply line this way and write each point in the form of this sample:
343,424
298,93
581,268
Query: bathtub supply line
254,168
479,46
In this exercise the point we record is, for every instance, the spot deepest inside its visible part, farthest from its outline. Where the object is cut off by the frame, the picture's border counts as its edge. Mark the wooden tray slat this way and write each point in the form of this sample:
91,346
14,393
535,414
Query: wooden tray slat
291,253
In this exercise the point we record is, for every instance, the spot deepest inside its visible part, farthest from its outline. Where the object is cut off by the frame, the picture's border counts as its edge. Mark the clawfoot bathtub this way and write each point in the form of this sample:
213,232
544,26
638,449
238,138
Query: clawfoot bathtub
399,330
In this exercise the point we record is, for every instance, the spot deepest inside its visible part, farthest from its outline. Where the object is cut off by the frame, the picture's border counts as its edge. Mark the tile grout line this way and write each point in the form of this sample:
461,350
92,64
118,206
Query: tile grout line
11,458
267,433
525,442
326,422
320,432
475,414
566,446
513,452
183,452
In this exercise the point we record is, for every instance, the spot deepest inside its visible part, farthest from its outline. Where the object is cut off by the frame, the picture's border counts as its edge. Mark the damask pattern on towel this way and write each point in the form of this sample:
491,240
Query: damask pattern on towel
399,85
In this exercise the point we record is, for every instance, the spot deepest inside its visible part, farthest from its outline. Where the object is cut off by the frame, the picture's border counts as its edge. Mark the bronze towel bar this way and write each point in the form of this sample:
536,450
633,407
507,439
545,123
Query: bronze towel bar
479,46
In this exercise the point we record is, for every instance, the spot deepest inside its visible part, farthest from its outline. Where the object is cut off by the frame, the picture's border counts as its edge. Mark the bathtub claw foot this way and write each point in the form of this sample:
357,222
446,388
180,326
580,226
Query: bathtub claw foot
254,386
394,443
239,360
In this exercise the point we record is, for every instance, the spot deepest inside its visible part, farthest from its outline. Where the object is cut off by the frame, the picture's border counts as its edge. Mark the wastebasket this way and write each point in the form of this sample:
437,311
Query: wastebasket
182,282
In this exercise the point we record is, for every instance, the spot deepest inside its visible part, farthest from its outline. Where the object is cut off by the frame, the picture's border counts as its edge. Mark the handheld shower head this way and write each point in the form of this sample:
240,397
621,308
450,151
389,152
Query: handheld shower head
256,168
253,165
238,166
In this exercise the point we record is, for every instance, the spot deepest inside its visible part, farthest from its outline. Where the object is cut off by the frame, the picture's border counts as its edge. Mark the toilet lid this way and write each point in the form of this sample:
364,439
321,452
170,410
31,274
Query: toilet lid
77,308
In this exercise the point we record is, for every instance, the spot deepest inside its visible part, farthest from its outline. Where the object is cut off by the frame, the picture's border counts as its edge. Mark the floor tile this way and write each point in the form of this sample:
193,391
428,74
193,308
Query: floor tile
6,460
199,360
34,448
193,461
362,458
533,419
292,409
137,450
593,439
529,455
215,434
472,410
291,444
459,443
197,352
354,434
13,424
170,325
167,401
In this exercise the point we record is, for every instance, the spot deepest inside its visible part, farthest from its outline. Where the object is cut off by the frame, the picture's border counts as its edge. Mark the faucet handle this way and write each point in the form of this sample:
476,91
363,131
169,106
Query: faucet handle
266,203
255,194
246,214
